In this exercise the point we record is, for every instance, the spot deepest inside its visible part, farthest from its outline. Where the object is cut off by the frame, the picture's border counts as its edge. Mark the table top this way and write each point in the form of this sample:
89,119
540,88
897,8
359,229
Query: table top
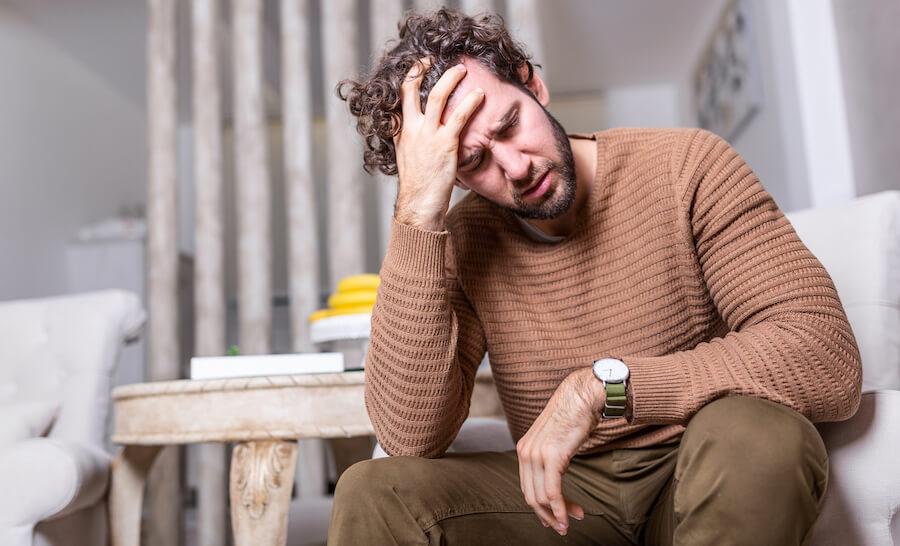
157,388
256,408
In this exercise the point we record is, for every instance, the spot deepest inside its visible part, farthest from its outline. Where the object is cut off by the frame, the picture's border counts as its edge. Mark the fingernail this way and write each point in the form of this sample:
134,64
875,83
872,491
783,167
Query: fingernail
561,527
461,66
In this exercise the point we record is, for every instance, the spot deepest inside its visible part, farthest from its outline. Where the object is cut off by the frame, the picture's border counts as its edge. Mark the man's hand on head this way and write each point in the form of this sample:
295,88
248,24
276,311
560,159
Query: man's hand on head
427,149
547,448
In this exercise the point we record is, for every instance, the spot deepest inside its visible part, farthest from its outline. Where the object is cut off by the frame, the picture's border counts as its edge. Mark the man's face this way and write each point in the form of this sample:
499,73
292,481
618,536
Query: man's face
512,151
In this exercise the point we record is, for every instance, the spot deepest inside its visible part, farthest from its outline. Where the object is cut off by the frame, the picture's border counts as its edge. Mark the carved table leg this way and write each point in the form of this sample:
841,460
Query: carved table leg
126,494
262,474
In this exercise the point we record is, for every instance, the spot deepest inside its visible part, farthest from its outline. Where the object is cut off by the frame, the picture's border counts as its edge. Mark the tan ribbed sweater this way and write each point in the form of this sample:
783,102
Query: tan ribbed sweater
681,265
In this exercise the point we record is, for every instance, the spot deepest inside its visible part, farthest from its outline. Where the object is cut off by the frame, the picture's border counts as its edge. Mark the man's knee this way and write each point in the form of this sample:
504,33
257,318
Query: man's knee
367,483
364,481
748,467
354,480
375,502
742,433
743,422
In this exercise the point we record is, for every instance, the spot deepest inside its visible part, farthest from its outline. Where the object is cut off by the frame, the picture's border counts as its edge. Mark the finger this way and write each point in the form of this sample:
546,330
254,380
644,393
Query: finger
412,82
553,486
545,516
527,484
440,93
463,112
542,502
575,510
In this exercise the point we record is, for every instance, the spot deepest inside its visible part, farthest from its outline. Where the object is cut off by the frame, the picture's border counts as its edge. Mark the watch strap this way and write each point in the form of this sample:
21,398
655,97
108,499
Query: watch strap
615,400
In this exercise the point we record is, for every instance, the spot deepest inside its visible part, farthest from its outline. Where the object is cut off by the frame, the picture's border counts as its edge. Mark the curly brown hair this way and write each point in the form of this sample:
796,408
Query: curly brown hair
446,36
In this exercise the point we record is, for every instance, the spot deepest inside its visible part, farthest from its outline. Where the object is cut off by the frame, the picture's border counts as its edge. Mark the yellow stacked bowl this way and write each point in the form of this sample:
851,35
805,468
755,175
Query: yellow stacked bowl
355,295
345,324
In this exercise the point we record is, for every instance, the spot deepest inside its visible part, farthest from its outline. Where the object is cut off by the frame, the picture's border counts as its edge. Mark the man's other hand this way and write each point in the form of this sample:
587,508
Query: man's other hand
549,445
427,149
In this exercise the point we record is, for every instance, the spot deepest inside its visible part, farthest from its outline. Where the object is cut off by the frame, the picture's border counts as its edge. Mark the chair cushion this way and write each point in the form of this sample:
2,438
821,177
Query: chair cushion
862,501
858,243
20,420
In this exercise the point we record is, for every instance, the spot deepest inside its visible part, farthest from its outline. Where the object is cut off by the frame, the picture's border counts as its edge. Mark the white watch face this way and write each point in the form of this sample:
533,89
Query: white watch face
611,369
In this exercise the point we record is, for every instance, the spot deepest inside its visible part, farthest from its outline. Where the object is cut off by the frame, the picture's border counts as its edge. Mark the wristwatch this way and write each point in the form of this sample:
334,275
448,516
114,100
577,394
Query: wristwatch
614,375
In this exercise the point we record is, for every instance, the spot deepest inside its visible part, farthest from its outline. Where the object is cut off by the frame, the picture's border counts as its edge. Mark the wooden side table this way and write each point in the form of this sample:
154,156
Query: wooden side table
264,416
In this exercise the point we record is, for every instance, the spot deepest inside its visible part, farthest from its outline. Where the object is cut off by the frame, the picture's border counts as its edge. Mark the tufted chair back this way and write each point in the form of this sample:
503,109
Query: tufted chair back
61,351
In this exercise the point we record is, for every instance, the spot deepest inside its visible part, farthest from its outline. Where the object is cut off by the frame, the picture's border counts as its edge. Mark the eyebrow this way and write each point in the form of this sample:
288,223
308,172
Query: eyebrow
503,124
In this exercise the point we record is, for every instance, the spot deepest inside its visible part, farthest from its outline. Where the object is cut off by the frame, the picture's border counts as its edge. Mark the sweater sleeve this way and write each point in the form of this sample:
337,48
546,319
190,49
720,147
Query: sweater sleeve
789,340
425,346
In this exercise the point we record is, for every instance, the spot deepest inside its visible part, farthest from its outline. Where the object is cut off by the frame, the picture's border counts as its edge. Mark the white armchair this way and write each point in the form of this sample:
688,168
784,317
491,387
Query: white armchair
859,244
57,357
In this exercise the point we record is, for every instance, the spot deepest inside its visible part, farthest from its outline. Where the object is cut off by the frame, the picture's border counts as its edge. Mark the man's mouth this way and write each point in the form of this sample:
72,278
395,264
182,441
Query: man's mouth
539,186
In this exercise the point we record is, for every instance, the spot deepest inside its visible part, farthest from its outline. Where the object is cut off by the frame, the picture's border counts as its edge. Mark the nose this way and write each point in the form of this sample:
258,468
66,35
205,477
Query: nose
515,164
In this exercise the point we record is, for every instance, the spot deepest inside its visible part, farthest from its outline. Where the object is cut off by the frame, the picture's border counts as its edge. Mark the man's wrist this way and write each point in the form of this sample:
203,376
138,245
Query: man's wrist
600,397
427,212
433,223
597,393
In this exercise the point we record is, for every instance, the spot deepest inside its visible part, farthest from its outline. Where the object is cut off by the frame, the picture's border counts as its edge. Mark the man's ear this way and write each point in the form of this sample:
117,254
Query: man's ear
536,85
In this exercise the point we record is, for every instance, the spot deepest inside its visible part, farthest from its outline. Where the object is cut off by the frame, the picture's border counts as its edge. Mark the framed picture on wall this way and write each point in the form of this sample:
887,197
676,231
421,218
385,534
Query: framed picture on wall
726,84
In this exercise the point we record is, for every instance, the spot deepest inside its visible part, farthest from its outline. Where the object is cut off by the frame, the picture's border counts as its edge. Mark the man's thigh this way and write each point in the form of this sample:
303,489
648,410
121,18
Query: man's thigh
473,498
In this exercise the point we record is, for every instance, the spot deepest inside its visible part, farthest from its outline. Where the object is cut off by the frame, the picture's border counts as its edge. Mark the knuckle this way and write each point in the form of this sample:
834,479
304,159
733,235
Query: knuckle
549,452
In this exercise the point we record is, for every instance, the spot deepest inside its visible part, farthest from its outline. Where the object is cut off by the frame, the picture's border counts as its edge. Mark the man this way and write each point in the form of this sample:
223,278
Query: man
660,338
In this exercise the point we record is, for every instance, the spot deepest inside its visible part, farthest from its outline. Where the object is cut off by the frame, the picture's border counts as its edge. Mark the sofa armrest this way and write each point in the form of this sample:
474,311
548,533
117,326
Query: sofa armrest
863,496
45,478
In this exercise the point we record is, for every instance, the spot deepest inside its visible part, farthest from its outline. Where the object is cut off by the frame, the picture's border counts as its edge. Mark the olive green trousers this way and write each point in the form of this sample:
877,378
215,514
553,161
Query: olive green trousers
746,471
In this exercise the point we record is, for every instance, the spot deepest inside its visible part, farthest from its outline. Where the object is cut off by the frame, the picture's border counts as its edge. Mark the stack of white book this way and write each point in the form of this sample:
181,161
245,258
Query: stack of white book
223,367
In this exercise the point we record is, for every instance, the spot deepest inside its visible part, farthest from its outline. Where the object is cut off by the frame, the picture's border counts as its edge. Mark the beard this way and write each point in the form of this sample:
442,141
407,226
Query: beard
559,198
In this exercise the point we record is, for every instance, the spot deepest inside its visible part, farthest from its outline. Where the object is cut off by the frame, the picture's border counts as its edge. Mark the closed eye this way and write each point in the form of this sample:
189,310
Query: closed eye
476,163
512,124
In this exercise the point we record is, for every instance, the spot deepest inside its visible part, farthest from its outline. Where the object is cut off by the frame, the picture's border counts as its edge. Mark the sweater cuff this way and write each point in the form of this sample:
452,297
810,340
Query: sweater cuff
415,251
660,389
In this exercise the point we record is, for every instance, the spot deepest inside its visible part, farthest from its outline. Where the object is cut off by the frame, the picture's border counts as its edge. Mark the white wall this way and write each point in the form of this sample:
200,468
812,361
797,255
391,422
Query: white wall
806,147
772,141
580,112
823,116
72,151
643,106
869,49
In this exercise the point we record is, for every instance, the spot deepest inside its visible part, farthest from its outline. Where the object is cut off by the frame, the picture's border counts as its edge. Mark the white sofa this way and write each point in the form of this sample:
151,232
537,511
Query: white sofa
859,244
57,357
